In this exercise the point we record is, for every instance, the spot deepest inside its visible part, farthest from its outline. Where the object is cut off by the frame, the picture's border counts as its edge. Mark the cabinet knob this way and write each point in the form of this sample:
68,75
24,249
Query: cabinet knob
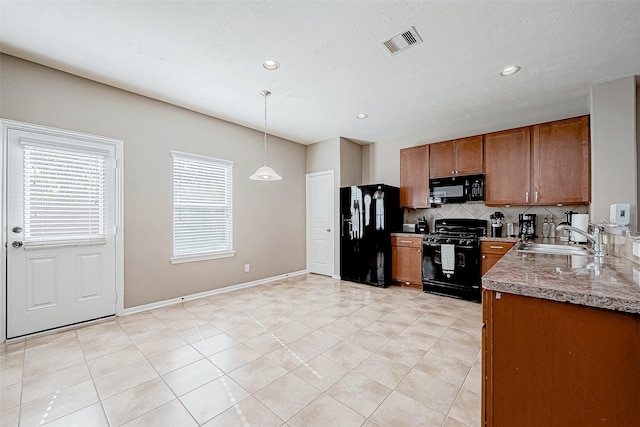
484,257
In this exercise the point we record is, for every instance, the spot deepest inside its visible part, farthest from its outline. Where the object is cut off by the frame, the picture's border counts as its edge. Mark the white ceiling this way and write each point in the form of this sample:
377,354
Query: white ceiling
206,56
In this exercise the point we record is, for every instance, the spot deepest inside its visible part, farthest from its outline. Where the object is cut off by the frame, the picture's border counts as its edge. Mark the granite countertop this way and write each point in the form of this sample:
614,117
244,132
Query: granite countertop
407,234
499,239
610,282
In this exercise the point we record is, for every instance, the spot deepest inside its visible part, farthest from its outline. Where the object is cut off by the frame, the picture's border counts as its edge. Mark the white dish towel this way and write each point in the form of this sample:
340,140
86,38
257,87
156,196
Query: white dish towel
448,256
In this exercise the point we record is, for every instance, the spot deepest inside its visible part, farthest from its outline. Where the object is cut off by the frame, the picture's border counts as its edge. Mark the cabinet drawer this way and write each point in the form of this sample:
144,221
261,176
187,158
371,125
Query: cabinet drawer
500,248
412,242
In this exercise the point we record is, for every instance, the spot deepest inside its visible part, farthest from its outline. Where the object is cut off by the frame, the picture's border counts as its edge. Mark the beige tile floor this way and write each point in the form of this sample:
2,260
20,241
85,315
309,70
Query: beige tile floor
305,351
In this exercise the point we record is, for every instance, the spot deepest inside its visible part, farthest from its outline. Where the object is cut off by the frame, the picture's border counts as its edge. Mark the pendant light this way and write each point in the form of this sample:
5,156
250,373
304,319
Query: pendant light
265,173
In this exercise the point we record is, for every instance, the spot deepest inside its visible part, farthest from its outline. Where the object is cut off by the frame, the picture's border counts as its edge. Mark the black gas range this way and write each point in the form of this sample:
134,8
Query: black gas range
451,258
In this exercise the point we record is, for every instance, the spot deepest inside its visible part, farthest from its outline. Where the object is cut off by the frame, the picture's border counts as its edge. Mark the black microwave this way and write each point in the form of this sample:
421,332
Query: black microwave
456,189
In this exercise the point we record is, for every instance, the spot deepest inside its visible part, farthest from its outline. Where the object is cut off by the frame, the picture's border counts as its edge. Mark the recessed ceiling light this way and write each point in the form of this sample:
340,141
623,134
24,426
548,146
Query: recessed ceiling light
270,64
510,70
362,116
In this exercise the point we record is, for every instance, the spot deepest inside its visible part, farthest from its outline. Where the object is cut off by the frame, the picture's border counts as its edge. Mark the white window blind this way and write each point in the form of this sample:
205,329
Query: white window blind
202,207
64,196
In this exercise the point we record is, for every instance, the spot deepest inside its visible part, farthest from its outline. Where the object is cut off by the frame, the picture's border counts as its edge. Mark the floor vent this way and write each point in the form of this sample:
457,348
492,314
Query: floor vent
402,41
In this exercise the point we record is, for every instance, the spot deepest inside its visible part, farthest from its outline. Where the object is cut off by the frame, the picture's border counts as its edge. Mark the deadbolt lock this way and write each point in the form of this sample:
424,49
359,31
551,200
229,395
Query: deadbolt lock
17,229
17,244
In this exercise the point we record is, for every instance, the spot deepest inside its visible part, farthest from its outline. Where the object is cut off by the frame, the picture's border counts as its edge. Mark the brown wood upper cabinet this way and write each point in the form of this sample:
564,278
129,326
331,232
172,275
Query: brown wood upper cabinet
456,157
414,177
538,165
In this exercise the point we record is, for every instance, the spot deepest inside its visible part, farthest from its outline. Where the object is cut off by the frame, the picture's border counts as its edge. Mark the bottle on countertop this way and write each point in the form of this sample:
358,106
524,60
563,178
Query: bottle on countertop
552,228
545,227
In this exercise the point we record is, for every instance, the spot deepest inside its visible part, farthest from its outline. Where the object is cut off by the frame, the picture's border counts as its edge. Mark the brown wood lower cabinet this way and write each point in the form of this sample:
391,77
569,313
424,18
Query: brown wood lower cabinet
547,363
406,260
491,252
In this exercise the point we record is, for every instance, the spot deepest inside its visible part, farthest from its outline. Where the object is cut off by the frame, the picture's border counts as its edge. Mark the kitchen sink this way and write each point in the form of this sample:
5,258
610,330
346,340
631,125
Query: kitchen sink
549,248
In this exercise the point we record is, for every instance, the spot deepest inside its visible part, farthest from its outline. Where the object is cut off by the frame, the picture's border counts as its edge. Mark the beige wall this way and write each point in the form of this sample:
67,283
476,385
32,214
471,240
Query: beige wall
324,156
614,168
269,217
350,163
638,147
366,165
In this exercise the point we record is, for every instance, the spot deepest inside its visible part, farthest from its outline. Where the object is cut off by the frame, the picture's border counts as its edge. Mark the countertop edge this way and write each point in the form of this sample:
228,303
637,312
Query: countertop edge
589,300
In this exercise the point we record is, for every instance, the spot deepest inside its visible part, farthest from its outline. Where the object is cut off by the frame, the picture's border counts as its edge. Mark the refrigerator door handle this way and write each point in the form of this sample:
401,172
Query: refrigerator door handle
349,223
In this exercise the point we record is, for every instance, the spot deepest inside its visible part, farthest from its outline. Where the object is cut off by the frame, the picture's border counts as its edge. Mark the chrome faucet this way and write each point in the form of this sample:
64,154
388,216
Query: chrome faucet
595,238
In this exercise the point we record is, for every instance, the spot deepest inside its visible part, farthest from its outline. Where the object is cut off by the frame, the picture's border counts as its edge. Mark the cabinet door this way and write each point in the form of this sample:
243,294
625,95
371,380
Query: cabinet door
414,177
406,264
469,155
561,162
442,159
507,167
550,363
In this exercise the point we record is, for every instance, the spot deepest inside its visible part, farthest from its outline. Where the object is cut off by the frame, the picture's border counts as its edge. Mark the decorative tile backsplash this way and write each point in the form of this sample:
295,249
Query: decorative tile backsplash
480,211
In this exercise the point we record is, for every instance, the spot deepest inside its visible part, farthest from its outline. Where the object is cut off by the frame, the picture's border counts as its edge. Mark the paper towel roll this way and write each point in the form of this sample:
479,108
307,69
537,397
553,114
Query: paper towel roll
580,221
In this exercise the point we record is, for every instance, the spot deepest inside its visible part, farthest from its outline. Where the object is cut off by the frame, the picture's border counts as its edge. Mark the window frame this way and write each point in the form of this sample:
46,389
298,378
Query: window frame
205,161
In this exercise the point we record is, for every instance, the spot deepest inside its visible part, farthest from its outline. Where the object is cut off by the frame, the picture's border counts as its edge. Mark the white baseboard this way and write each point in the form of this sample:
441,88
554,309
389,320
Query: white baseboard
336,276
165,303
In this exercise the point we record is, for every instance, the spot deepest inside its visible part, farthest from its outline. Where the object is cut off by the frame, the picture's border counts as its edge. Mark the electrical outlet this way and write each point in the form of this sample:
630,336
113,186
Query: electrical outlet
636,249
246,268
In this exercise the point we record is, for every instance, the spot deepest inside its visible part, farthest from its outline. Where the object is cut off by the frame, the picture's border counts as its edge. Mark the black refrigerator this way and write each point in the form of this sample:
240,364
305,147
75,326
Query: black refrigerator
368,214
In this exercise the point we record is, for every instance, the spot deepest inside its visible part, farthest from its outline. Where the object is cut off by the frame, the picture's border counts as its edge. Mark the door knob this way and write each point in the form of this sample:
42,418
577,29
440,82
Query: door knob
328,230
17,229
17,244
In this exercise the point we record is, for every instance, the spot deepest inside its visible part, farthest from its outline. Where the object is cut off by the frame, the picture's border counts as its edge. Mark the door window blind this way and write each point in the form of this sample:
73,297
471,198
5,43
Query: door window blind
64,196
202,207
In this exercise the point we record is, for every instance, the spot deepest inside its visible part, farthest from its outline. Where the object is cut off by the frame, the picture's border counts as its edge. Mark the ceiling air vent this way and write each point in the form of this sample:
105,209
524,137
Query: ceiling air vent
402,41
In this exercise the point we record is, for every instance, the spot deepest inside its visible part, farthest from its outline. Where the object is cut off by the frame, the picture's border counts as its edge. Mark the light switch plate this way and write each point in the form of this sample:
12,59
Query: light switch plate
636,249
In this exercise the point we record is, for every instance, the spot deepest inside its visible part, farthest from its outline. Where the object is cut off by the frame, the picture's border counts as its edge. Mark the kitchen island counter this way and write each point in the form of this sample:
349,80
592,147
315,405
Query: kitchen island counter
610,282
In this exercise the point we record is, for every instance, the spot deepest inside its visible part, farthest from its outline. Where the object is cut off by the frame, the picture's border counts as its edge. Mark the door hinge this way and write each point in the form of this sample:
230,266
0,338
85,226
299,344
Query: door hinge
115,297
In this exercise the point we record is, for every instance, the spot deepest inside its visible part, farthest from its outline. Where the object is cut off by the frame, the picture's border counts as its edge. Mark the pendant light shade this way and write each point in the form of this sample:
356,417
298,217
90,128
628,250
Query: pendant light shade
265,173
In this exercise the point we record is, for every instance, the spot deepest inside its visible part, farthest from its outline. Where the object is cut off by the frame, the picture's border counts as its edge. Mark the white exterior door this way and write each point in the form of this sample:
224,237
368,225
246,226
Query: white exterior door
60,230
320,219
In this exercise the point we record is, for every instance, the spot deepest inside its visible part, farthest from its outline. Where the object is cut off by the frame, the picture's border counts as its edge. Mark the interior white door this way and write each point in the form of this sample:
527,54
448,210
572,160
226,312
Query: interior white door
320,220
61,253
